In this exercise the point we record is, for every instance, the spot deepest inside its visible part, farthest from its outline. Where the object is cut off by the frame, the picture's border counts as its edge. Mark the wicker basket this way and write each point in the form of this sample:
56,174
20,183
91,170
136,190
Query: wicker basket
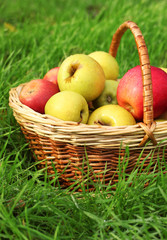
78,150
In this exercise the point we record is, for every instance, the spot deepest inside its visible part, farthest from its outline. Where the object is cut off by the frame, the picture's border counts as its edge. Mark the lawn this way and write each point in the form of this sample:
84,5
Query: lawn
36,36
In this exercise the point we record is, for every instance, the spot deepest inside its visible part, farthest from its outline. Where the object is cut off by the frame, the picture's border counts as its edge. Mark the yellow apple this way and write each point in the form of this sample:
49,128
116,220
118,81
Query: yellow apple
160,120
111,115
108,63
108,95
164,69
68,106
81,73
162,117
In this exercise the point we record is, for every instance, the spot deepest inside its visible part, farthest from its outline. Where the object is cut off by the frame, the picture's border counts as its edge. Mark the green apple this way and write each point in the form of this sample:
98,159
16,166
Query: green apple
108,63
160,120
111,115
108,95
162,117
81,73
164,69
68,106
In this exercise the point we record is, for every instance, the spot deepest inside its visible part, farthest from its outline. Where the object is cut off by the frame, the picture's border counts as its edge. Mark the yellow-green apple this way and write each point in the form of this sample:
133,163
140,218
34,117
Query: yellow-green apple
81,73
108,63
162,117
51,75
108,95
164,69
111,115
68,106
36,93
130,92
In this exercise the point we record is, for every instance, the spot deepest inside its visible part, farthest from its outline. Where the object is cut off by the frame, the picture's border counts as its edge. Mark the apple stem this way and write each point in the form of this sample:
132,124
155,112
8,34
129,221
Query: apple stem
80,117
72,71
109,99
99,122
73,68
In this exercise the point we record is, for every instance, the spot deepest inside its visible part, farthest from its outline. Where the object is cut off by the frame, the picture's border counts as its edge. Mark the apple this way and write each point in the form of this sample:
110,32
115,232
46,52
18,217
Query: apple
108,95
36,93
51,75
162,117
68,106
108,63
130,92
81,73
91,107
111,115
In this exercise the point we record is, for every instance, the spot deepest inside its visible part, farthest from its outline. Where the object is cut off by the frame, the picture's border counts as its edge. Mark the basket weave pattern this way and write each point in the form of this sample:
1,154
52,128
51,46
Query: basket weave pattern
65,146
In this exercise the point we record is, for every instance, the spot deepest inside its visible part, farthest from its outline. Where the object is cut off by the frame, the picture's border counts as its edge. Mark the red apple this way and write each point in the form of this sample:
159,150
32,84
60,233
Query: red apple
130,92
51,75
36,93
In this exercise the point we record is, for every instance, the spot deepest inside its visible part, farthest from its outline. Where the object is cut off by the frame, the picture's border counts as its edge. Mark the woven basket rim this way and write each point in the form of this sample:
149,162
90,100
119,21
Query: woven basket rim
30,117
16,104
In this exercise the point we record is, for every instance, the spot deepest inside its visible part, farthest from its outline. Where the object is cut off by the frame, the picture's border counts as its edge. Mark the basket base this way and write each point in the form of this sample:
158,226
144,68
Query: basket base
87,166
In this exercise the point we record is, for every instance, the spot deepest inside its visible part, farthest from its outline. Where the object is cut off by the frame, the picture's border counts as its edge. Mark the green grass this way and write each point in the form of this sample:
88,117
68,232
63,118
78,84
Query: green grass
45,33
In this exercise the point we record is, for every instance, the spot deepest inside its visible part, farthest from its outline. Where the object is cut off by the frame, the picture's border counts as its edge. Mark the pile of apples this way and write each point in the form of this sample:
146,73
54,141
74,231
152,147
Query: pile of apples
85,89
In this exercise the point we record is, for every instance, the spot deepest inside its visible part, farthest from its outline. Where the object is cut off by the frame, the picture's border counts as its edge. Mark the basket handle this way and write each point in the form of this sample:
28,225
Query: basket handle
144,64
